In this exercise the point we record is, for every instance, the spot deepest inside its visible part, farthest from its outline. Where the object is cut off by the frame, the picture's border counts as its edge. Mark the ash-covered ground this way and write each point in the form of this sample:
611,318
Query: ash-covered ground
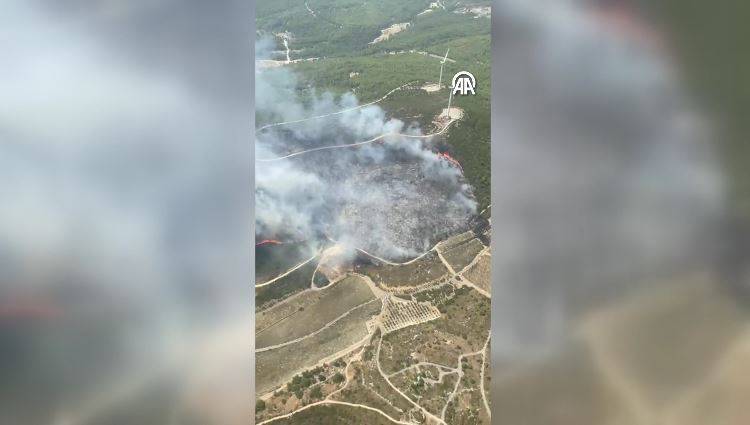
394,198
410,210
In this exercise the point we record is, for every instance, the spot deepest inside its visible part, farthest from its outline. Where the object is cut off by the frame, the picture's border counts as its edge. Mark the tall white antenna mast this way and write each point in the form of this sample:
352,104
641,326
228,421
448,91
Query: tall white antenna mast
442,62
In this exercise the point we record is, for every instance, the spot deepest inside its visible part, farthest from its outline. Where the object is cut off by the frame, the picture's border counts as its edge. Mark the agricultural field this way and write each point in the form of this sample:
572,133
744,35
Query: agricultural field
479,273
456,241
435,295
305,388
309,311
274,367
461,254
426,269
462,328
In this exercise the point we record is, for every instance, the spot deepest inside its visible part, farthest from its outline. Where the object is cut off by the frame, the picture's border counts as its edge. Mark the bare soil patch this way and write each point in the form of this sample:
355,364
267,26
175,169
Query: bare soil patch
387,33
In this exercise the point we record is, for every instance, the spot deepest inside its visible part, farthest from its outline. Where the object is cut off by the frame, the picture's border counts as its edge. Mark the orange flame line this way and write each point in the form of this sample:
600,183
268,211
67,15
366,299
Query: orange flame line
269,241
450,159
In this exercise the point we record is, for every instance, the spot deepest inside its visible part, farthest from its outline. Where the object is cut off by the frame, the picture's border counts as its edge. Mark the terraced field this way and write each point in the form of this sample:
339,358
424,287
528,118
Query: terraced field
274,367
426,269
309,311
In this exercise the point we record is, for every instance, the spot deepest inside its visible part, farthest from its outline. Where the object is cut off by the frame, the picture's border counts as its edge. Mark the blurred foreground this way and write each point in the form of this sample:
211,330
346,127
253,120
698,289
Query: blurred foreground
621,247
124,224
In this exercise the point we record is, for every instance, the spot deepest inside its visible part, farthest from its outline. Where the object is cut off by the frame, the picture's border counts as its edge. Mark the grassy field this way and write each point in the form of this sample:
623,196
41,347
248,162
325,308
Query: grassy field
309,311
455,241
275,367
461,255
480,273
426,269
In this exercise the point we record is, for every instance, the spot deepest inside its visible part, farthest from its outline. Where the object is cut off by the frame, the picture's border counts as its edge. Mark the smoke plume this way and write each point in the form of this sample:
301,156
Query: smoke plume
393,197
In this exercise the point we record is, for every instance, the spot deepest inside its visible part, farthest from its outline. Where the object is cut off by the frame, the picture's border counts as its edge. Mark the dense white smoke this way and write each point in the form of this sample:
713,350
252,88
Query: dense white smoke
392,197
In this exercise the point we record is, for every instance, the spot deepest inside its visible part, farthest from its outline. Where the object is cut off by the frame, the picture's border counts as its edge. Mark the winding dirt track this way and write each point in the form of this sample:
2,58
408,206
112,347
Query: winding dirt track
383,260
334,113
461,375
287,272
422,409
465,281
363,406
481,377
351,145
